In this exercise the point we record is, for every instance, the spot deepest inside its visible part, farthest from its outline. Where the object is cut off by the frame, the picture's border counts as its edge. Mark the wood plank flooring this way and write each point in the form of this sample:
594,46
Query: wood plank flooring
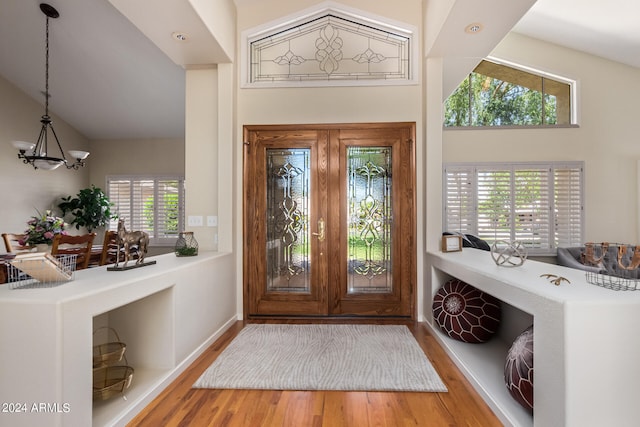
180,405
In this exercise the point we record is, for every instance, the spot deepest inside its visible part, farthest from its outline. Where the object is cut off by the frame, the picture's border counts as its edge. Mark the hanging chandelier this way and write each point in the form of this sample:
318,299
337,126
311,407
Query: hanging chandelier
37,155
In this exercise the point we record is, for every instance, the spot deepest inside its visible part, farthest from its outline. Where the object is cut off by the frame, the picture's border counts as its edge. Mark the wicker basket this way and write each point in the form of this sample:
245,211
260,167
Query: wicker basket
109,381
109,353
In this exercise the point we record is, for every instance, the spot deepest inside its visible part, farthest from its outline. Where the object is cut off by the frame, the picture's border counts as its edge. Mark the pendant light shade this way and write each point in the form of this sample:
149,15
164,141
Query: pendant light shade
38,155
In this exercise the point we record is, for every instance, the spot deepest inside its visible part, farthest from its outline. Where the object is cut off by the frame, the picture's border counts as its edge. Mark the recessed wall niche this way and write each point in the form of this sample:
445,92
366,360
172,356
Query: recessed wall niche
146,327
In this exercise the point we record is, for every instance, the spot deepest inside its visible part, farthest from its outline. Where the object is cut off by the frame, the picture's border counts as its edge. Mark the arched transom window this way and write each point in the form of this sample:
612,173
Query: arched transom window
330,47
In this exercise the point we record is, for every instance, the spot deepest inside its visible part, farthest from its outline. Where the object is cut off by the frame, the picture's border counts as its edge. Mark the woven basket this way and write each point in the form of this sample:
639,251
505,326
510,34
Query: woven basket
109,381
109,353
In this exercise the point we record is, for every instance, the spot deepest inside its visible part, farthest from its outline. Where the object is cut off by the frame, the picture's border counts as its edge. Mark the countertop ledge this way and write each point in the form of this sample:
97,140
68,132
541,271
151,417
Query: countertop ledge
93,281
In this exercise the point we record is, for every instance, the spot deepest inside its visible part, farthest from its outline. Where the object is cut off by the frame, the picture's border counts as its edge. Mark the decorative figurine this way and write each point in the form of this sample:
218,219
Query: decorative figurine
508,254
635,260
556,280
127,240
589,256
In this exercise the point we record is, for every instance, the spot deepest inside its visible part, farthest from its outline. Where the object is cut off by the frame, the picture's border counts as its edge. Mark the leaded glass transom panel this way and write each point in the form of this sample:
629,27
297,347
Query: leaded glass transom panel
288,255
330,48
369,207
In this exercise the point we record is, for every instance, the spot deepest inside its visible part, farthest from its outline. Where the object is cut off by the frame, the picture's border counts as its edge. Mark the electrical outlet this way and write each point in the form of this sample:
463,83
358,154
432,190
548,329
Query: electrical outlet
212,221
194,221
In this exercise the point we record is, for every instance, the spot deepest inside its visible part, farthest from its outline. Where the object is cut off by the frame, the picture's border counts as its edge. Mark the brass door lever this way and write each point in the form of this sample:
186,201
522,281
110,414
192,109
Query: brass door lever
320,232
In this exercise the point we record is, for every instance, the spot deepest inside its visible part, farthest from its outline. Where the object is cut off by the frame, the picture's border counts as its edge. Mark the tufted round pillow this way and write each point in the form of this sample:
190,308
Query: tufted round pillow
518,369
466,313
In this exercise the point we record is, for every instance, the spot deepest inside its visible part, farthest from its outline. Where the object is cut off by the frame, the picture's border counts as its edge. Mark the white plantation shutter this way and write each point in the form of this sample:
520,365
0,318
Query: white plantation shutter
537,204
459,194
151,204
495,204
168,208
141,190
569,213
120,194
532,207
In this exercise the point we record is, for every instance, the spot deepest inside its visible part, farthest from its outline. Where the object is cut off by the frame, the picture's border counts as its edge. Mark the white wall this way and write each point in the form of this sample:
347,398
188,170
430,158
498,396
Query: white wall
606,140
252,13
135,157
25,190
202,151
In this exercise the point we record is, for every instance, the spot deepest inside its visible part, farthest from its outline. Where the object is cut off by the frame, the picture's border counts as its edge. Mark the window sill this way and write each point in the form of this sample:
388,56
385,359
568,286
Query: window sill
447,128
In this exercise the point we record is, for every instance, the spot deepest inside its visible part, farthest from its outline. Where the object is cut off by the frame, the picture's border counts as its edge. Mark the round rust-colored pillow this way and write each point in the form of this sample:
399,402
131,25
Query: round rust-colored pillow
518,369
466,313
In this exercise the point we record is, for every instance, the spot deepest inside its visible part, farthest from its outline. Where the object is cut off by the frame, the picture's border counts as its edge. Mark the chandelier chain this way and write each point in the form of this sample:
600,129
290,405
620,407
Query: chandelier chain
46,71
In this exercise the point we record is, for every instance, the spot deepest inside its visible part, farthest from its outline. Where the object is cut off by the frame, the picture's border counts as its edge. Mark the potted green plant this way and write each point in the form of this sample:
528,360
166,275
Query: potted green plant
90,208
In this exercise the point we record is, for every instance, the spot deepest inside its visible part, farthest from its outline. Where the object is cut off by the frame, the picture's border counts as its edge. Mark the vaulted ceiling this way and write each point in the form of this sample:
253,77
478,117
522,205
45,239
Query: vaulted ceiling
117,72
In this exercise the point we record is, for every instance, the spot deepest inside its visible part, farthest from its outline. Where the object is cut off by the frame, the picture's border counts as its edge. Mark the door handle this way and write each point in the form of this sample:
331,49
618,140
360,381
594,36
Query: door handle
320,232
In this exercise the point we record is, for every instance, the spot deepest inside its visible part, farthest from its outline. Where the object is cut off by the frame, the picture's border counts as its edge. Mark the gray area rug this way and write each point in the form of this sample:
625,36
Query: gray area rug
323,357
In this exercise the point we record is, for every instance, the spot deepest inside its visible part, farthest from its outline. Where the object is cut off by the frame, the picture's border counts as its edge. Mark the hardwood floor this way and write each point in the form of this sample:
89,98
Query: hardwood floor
180,405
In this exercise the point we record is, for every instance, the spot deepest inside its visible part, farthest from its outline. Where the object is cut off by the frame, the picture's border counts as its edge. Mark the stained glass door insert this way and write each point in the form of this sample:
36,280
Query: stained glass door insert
287,217
369,219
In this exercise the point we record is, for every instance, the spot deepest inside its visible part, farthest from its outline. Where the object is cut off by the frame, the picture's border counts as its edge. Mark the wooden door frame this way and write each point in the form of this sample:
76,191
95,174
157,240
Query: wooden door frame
408,262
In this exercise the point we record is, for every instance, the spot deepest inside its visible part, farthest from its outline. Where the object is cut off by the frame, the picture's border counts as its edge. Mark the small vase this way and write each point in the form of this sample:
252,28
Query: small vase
186,245
43,247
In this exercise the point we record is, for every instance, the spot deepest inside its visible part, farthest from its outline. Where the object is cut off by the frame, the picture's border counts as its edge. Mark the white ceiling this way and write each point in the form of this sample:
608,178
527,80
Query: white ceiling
110,81
606,28
107,79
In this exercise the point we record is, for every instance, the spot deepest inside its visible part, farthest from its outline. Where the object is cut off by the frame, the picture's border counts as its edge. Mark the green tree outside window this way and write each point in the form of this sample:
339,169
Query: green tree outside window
497,95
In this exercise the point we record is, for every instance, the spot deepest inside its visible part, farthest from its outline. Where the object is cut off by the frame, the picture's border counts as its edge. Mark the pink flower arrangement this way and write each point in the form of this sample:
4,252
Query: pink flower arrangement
43,228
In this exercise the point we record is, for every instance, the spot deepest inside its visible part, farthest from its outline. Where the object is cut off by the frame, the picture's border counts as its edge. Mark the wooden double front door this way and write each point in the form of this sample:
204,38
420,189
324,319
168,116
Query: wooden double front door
329,220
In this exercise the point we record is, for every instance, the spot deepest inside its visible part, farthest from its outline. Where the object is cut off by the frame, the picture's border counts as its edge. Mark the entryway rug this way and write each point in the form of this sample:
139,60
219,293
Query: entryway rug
323,357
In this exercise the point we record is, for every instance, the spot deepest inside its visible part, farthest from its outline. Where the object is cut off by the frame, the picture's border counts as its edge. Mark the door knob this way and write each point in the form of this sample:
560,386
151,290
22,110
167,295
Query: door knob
320,232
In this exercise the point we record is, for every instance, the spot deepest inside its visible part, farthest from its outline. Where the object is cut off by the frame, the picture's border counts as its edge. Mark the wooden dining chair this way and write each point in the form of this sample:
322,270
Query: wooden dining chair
110,249
74,245
12,242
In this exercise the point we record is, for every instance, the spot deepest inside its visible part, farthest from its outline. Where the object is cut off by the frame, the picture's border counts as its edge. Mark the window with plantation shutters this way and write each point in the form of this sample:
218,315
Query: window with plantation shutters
459,194
568,206
153,204
537,204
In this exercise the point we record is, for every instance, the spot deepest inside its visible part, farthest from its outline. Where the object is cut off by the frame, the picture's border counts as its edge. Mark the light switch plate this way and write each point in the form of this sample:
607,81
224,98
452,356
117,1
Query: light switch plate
194,221
212,221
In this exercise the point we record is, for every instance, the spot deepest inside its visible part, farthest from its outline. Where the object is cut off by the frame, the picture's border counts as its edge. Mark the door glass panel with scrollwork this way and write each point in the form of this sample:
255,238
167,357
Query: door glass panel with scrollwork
287,251
369,219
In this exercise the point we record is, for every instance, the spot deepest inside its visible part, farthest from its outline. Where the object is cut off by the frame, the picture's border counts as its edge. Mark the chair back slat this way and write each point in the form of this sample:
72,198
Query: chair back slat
12,242
78,245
